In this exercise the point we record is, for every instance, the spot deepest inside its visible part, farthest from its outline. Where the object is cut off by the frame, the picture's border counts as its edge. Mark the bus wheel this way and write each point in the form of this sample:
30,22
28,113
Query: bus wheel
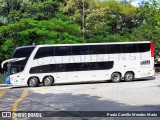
116,77
48,81
33,82
129,76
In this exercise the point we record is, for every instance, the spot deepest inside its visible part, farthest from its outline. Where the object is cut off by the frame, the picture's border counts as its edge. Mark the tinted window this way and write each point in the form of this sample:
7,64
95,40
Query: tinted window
80,50
84,66
105,65
40,69
87,49
113,49
63,50
78,66
16,69
20,63
143,47
92,66
22,52
44,52
72,67
98,49
53,68
129,48
21,68
61,68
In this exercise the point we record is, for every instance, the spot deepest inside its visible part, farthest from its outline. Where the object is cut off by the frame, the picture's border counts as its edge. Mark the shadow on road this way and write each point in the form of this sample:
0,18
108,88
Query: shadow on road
19,87
145,79
90,82
68,102
104,81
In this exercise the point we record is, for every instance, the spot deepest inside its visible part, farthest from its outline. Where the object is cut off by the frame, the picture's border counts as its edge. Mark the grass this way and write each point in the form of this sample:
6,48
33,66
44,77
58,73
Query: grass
2,79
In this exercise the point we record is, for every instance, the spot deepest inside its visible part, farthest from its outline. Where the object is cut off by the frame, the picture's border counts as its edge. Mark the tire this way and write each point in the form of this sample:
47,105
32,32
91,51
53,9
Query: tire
33,82
48,81
116,77
129,76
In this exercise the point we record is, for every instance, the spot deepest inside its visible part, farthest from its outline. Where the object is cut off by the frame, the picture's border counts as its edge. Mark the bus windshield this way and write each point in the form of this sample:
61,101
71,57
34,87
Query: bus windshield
14,70
18,66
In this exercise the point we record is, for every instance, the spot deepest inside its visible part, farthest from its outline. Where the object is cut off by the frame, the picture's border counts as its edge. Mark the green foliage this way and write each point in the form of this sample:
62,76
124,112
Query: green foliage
2,78
24,22
29,31
14,10
102,20
149,28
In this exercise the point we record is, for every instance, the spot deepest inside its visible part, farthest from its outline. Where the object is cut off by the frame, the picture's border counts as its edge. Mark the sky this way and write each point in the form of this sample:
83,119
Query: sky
136,2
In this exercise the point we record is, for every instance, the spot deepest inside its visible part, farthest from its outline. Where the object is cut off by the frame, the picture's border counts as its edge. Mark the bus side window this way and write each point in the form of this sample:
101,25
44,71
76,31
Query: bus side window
53,68
105,65
84,66
80,50
113,49
40,69
70,67
63,50
92,66
44,52
129,48
61,68
143,47
98,49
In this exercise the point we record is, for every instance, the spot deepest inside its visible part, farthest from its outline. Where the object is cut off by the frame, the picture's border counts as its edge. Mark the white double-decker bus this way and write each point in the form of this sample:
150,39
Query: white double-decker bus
49,64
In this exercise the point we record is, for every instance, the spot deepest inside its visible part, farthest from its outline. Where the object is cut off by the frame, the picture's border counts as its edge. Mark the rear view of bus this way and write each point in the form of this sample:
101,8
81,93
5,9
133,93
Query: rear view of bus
147,63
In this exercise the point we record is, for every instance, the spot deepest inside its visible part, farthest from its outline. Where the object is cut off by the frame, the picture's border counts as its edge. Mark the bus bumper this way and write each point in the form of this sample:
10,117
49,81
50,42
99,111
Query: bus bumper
12,82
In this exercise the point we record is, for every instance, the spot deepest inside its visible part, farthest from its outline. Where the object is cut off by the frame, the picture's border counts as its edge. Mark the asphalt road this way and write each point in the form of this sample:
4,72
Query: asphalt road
139,95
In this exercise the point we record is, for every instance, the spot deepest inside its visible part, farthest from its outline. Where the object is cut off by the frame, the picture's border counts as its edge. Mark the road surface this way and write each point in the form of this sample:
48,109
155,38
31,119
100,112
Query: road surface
139,95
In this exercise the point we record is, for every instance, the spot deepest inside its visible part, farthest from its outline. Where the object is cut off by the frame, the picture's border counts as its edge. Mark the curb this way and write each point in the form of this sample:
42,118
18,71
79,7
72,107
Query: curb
3,85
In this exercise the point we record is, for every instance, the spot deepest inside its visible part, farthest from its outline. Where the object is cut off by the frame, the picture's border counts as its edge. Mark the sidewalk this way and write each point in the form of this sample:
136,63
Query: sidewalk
157,74
3,85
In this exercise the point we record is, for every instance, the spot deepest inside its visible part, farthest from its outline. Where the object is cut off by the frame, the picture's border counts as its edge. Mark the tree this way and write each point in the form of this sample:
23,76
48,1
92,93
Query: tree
12,11
149,28
29,31
102,19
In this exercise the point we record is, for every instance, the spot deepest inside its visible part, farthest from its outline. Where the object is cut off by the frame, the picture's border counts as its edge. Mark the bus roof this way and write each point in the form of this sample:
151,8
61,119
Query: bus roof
84,44
26,46
92,43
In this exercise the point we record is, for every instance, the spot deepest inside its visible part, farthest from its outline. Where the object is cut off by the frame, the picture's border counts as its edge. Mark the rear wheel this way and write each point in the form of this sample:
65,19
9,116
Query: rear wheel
48,81
116,77
33,82
129,76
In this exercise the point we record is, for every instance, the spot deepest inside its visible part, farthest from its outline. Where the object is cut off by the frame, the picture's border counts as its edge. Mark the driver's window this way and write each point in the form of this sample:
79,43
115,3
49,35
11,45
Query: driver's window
14,70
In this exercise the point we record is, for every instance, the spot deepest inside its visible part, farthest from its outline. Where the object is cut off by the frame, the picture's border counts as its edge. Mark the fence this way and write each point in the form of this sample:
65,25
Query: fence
2,78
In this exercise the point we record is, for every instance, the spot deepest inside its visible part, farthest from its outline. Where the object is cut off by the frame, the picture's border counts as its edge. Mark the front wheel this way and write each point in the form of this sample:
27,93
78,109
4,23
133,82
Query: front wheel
33,82
129,76
116,77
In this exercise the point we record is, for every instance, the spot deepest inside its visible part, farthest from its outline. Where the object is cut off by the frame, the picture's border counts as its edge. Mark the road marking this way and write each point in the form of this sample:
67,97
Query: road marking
24,94
1,93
